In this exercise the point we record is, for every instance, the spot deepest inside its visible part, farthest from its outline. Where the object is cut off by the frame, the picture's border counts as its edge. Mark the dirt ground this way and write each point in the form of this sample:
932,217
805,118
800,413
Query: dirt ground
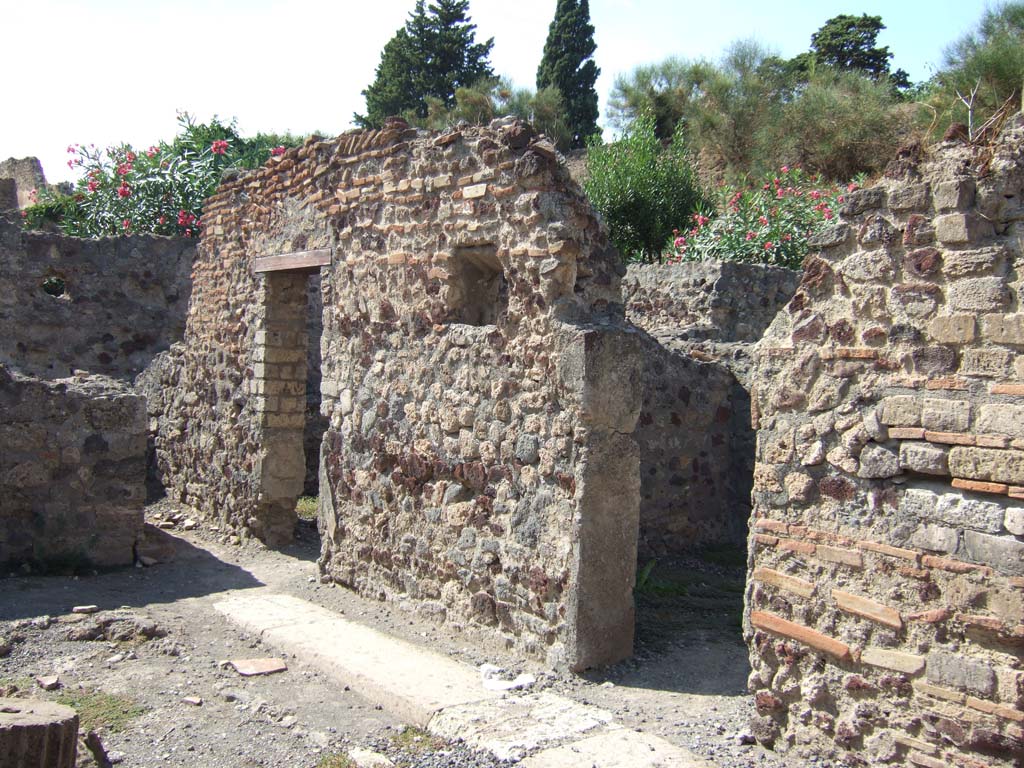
148,670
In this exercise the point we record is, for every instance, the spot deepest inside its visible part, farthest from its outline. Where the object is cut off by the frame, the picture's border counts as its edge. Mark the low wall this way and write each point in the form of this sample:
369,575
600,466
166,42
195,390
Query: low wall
72,470
105,306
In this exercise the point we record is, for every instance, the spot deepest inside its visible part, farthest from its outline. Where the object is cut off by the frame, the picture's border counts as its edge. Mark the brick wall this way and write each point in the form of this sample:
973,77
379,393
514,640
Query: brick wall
885,608
479,382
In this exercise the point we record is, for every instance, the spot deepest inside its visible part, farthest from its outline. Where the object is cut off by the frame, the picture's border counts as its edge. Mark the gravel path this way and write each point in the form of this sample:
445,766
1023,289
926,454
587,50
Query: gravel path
160,648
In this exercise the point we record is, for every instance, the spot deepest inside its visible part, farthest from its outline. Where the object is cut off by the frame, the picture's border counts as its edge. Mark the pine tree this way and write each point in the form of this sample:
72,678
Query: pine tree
433,55
568,66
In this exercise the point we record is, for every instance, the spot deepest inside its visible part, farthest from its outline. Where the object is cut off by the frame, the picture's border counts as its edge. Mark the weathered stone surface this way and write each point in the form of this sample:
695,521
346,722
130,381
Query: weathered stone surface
1001,419
900,411
1003,553
946,415
877,461
925,458
980,294
987,464
952,329
72,471
956,671
907,663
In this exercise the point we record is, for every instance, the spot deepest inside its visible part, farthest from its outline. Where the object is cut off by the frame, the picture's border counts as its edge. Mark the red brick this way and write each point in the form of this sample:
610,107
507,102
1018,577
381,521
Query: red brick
953,566
867,608
784,581
982,622
885,549
950,382
980,486
933,616
843,556
1007,389
766,540
999,710
763,524
949,438
792,545
1015,492
780,626
906,433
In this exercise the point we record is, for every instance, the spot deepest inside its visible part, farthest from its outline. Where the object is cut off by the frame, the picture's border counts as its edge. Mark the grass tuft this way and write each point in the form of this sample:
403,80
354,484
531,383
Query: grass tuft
98,709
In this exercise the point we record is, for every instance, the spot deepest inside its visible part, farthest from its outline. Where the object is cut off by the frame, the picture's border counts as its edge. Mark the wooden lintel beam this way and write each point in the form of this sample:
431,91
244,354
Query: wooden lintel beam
300,261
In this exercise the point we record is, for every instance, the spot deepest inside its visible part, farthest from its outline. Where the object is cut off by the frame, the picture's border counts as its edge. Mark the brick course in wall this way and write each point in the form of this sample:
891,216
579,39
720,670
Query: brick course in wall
885,608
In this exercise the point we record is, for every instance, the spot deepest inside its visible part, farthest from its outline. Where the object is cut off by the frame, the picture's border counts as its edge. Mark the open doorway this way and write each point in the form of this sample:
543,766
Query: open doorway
287,383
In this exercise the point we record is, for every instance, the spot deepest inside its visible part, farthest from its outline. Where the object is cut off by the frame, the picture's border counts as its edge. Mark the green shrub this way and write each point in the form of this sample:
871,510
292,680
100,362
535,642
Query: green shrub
766,224
642,189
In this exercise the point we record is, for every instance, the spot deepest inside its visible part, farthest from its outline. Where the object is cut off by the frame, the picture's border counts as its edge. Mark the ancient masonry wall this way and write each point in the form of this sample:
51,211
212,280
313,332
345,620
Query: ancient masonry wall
78,320
480,382
696,443
18,178
105,306
72,467
885,605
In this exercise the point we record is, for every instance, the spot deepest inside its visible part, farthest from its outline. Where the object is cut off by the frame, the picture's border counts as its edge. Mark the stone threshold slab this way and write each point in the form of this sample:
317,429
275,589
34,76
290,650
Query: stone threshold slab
446,697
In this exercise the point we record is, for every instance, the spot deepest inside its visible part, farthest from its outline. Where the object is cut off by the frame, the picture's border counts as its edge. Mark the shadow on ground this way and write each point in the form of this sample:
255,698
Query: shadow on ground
689,627
194,572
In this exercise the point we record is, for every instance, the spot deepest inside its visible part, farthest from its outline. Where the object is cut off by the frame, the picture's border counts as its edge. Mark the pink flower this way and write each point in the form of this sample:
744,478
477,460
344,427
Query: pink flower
841,199
124,169
219,147
769,245
185,218
92,186
852,187
764,221
151,152
815,194
130,156
679,242
277,151
162,220
72,148
784,169
751,235
127,224
124,190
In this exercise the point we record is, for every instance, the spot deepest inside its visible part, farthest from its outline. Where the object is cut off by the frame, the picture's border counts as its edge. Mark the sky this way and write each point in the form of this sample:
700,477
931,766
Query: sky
113,71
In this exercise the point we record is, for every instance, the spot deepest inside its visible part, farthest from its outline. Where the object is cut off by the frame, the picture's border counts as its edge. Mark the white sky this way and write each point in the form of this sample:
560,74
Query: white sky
107,71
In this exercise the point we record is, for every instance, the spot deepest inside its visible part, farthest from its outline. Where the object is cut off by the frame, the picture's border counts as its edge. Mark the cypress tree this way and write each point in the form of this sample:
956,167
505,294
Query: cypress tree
434,54
568,66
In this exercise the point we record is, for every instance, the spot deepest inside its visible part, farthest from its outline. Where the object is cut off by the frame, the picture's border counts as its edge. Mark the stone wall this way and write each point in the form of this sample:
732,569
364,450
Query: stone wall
23,176
696,443
885,607
479,379
105,306
72,470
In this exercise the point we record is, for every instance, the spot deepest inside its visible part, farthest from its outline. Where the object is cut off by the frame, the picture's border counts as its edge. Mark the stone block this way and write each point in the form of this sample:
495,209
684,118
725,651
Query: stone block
1014,520
926,458
935,538
957,670
911,197
1003,553
978,294
1001,419
974,262
960,512
990,363
952,329
942,415
1003,328
992,464
908,663
900,411
954,195
958,228
878,462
